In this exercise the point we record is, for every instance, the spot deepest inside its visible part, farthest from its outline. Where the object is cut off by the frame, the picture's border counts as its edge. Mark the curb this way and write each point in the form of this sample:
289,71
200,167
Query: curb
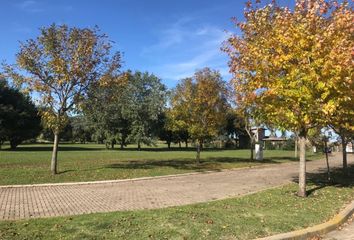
320,229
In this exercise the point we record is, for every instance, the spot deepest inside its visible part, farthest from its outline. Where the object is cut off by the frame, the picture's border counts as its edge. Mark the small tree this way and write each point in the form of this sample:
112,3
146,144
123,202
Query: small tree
199,105
19,118
61,65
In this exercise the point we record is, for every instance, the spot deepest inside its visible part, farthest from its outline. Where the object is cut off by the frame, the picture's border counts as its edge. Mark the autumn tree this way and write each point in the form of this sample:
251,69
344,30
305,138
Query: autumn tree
338,66
60,65
199,105
279,63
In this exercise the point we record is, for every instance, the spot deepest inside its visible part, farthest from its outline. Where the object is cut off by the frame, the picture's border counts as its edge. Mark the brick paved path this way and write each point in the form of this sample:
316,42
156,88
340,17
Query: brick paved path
62,200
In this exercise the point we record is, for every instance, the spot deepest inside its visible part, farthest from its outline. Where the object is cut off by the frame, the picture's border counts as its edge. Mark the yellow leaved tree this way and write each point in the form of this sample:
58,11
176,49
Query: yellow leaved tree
60,66
199,105
284,69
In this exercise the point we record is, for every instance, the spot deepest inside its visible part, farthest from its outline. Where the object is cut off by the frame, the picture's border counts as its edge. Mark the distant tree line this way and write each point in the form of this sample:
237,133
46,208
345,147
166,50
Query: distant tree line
133,108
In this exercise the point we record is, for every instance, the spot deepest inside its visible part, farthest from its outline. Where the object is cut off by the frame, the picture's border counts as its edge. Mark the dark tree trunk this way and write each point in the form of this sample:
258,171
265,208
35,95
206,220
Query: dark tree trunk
139,145
169,145
112,145
121,145
179,144
54,162
302,166
13,144
186,143
344,153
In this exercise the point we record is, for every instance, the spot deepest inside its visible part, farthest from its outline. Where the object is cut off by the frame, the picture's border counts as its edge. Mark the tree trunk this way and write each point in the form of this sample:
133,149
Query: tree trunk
344,153
327,163
186,143
121,145
296,147
198,153
179,144
139,146
13,144
54,162
112,144
252,150
169,145
302,164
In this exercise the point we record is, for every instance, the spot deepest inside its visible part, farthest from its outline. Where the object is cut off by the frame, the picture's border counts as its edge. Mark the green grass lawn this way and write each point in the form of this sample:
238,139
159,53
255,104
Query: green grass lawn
257,215
87,162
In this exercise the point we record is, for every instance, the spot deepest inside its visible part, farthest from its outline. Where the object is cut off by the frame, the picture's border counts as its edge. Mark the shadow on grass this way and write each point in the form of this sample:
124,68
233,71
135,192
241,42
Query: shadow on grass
174,149
207,164
49,148
338,178
45,147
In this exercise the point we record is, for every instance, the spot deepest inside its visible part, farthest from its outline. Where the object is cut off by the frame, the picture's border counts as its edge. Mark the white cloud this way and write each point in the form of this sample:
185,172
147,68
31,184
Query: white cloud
189,47
30,6
169,36
33,6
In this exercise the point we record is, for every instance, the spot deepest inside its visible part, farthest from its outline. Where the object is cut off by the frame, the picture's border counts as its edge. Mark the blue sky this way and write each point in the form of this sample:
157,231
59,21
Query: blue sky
169,38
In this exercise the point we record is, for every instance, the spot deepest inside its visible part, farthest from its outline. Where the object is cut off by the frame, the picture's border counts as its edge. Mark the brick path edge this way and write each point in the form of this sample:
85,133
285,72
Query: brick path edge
320,229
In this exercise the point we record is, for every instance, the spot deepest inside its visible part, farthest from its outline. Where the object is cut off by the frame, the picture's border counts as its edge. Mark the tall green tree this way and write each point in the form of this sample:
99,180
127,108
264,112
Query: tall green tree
19,118
199,105
107,111
61,64
147,100
128,110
